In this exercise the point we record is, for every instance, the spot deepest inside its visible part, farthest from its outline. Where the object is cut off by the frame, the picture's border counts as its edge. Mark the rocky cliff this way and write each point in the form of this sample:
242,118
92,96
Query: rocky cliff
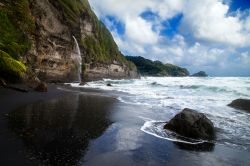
44,37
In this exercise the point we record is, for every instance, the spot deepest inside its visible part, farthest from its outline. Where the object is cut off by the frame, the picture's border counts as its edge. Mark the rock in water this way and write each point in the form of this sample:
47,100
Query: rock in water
243,104
109,84
192,124
42,87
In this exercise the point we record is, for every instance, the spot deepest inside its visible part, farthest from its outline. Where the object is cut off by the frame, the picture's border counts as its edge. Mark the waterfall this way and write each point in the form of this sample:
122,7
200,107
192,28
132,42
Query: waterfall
78,60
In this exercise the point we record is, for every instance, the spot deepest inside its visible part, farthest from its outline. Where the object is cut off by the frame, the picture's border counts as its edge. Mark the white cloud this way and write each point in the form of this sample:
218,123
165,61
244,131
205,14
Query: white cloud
137,29
192,55
140,31
247,24
208,35
244,58
208,20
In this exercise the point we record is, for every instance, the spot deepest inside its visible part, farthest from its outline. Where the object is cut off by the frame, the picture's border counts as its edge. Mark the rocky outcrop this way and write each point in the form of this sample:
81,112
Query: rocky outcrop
200,74
114,71
192,124
41,87
242,104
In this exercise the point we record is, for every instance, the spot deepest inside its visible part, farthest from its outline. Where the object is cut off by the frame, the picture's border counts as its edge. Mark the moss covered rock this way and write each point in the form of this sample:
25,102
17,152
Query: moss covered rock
11,69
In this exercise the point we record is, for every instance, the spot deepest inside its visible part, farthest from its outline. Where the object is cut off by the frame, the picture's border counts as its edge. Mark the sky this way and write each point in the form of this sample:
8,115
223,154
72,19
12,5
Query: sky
208,35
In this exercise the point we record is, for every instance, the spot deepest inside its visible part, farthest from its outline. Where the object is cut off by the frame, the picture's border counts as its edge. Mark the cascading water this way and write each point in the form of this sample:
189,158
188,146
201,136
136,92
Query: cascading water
78,60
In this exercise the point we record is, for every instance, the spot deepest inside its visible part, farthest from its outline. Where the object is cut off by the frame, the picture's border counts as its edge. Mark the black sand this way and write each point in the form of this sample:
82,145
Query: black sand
86,127
52,128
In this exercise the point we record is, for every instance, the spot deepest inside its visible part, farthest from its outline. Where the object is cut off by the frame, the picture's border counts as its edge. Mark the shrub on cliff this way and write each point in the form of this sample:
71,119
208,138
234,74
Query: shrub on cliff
15,23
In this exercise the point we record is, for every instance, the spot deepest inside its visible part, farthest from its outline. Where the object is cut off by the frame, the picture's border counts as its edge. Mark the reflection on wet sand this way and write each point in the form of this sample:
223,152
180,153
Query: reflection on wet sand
203,147
57,132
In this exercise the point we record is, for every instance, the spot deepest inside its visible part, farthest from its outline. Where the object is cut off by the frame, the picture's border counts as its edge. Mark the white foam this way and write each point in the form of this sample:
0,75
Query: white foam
149,128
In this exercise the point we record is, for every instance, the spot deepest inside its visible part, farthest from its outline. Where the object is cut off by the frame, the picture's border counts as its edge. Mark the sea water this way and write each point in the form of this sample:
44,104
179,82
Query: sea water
164,97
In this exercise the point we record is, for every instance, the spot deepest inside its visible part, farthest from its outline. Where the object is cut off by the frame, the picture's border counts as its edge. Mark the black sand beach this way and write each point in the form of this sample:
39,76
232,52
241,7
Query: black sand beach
72,126
52,128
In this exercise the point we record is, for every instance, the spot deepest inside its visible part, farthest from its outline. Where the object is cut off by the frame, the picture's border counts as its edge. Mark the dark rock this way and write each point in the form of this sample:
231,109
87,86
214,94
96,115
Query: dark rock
109,84
2,83
83,83
242,104
200,74
18,87
192,124
42,87
6,115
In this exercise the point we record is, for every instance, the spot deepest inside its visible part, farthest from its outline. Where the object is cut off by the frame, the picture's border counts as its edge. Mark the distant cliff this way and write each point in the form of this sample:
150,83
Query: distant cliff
37,38
147,67
200,74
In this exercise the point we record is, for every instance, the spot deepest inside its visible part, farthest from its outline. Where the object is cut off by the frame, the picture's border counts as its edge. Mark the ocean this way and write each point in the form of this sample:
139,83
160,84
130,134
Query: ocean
163,97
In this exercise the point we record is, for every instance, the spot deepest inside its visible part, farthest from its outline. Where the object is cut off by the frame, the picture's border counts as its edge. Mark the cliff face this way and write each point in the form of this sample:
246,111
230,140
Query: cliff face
52,49
50,56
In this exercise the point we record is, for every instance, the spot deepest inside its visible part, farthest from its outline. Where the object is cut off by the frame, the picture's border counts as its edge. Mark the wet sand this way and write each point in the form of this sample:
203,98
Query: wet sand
51,128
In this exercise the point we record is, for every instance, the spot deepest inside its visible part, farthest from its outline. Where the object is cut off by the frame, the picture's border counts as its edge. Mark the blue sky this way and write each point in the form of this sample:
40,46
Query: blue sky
209,35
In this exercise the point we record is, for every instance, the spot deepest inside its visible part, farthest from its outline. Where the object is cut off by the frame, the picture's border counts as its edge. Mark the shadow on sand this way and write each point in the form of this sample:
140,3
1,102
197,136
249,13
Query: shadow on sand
203,147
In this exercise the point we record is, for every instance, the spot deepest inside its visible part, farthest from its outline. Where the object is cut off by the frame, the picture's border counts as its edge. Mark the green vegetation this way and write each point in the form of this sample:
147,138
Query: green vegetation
147,67
10,69
100,46
71,10
131,65
15,23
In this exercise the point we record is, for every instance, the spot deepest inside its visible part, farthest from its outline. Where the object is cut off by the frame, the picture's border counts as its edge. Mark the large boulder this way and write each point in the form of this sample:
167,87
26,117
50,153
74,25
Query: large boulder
41,87
242,104
192,124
